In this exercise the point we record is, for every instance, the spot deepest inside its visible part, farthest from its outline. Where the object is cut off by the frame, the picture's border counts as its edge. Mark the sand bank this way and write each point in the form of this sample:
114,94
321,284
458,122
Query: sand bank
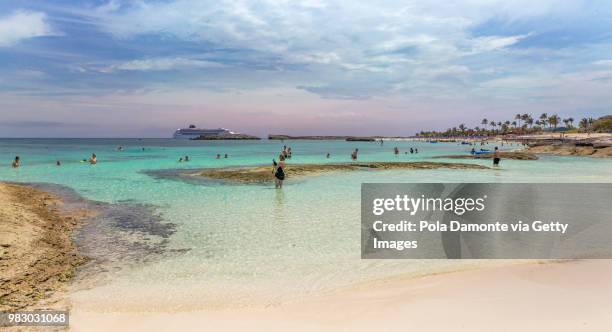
262,174
569,296
37,253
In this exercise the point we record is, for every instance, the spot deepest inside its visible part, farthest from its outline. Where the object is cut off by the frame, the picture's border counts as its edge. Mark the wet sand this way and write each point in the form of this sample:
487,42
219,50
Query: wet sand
263,174
37,252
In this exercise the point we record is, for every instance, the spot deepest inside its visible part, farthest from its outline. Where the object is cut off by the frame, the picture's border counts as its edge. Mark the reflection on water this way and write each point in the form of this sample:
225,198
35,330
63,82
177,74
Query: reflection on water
279,208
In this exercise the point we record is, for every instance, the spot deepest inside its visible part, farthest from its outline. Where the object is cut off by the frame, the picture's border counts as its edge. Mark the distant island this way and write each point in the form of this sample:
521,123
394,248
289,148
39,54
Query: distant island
333,138
226,136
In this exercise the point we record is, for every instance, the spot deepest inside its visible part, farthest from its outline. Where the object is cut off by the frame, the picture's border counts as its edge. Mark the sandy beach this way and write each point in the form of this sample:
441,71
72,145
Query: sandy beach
38,256
561,296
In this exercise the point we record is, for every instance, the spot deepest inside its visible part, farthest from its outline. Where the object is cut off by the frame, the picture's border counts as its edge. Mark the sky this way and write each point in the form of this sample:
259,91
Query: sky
144,68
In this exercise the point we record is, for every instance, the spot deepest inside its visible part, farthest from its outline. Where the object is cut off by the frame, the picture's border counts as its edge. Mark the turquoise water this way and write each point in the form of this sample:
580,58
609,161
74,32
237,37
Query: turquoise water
245,244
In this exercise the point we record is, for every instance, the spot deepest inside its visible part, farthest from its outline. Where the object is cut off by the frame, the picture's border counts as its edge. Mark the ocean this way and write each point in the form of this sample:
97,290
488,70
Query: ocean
159,242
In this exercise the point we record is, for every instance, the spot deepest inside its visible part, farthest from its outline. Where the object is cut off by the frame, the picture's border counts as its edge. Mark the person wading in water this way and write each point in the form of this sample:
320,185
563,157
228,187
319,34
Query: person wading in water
496,157
279,172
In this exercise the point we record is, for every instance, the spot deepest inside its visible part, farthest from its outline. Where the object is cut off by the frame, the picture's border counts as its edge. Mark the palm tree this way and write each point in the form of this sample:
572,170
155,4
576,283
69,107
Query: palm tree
584,124
571,121
484,122
543,119
529,120
566,121
553,120
514,124
462,128
519,118
505,126
525,116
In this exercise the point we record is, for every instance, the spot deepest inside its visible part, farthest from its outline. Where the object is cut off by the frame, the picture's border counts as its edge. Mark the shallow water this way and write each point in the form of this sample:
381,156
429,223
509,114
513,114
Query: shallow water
242,244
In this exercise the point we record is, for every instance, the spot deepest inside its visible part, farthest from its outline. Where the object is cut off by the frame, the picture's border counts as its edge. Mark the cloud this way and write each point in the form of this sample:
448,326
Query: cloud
160,64
437,55
492,43
22,25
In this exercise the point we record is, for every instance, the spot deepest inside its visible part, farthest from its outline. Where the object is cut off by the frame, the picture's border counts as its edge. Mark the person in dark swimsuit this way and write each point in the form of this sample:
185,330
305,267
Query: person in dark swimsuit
496,158
279,172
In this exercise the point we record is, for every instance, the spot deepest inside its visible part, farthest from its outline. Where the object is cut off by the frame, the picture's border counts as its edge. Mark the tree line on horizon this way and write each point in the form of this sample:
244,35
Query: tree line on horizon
525,124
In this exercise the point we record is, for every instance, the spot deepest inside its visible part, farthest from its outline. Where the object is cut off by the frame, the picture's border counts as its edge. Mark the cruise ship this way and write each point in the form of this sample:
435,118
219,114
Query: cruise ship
194,132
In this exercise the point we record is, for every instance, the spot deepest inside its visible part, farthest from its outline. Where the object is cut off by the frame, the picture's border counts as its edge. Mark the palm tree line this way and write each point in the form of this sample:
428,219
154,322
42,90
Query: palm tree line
520,124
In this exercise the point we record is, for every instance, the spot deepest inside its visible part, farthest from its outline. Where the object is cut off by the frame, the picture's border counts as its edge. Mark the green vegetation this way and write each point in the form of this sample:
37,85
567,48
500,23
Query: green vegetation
525,124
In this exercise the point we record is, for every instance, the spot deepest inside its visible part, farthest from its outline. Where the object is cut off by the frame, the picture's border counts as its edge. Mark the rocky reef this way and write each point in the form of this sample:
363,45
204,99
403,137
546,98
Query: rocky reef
264,174
596,147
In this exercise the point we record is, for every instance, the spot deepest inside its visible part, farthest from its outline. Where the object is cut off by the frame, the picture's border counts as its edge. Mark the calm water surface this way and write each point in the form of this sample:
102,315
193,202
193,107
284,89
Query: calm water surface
207,244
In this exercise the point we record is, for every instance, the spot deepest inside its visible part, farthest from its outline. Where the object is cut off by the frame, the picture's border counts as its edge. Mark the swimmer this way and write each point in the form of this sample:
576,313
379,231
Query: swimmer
17,162
94,159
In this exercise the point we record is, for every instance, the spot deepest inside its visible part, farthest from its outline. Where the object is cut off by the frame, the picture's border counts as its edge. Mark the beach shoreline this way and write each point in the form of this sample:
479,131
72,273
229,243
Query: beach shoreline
38,253
472,300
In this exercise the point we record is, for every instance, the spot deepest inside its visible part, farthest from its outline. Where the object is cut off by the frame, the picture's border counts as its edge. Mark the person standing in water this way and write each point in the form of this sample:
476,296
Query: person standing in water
279,172
396,150
94,159
496,157
17,162
354,154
